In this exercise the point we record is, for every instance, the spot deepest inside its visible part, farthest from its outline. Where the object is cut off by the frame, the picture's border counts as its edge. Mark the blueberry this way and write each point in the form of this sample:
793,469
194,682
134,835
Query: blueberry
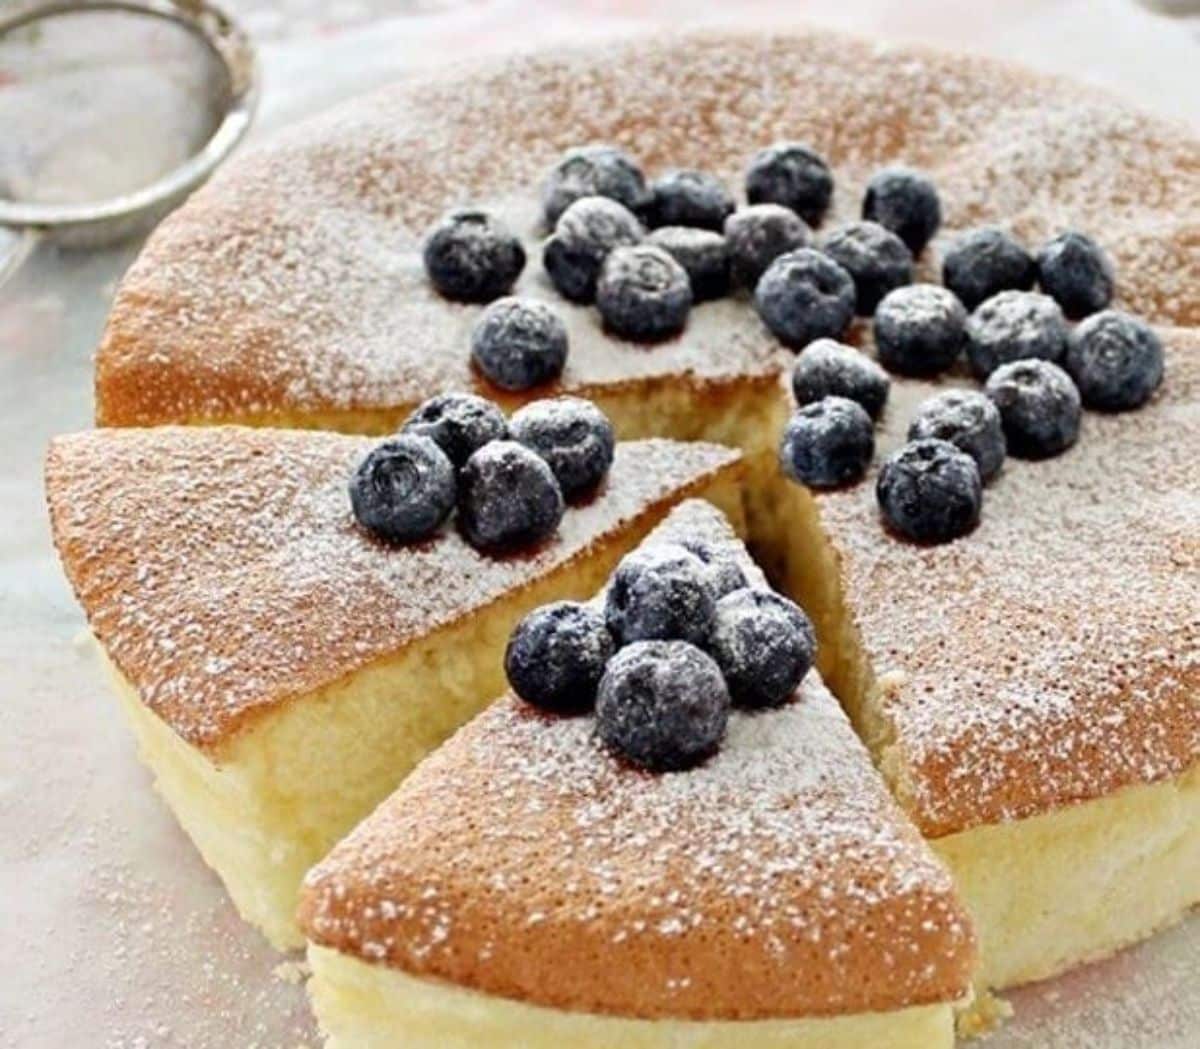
459,423
805,295
929,491
573,436
875,258
1014,325
404,489
592,171
969,421
1076,273
724,573
587,231
643,294
472,256
703,254
507,497
1039,406
661,592
1116,361
764,645
519,343
556,657
919,329
827,443
828,368
793,175
756,236
907,203
689,198
985,261
662,705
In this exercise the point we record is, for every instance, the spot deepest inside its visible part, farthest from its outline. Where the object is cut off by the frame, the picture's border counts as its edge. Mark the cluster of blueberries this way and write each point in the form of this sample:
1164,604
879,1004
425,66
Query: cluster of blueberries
510,479
1038,372
681,638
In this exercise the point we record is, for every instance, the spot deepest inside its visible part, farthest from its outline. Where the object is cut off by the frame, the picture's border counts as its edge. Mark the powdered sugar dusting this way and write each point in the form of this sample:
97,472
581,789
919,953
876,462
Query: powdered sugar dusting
223,572
1054,654
293,282
776,879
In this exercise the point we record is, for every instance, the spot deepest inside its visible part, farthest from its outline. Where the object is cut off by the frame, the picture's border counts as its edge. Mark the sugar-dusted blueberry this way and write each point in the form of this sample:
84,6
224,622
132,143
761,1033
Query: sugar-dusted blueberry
876,259
662,705
906,202
724,572
1014,325
791,174
1039,406
984,261
519,343
827,443
703,254
756,236
930,491
662,591
592,171
968,420
827,368
404,489
919,330
643,294
586,232
1074,270
689,198
803,296
1116,360
764,645
459,423
507,497
557,655
574,436
471,256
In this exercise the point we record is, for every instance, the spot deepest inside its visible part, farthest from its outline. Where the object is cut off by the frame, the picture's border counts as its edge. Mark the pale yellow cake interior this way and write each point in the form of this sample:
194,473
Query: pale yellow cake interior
1079,883
280,794
364,1006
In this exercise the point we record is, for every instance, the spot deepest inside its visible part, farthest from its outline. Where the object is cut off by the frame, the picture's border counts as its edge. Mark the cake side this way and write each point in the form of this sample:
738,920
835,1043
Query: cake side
1077,884
778,880
223,573
279,290
365,1006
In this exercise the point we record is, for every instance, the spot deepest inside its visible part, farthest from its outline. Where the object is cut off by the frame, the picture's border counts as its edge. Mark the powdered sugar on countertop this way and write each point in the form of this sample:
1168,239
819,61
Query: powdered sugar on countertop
776,879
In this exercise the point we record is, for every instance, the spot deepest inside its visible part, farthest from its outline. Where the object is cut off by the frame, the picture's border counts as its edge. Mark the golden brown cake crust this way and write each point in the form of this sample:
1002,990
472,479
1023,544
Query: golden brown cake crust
292,285
223,572
777,880
1053,655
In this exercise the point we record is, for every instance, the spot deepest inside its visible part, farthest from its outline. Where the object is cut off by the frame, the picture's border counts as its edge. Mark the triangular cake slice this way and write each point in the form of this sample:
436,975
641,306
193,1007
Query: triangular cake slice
282,670
524,887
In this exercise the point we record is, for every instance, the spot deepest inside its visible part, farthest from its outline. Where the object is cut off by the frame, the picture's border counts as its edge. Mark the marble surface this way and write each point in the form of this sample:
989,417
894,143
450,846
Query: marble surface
116,934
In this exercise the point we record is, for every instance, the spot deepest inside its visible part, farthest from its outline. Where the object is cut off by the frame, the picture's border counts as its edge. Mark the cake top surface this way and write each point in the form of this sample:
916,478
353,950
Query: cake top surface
223,572
1052,655
292,284
778,879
